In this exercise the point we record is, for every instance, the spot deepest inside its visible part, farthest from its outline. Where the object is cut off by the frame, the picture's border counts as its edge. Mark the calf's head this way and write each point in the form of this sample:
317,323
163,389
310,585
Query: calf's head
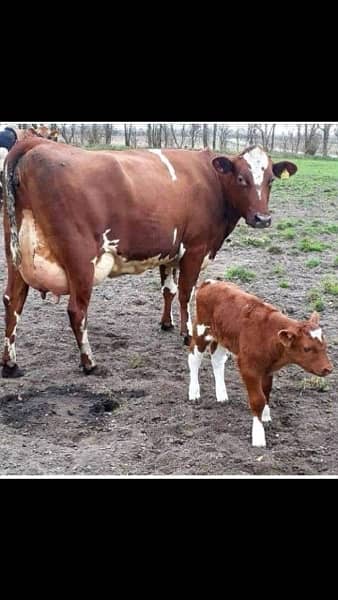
247,182
306,347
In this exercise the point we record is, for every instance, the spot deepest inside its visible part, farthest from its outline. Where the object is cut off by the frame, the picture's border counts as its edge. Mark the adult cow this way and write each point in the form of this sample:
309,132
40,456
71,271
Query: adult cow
74,217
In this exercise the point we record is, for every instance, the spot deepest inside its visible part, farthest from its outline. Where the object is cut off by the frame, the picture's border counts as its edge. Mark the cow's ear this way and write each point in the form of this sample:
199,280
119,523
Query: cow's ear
222,164
314,319
287,337
284,169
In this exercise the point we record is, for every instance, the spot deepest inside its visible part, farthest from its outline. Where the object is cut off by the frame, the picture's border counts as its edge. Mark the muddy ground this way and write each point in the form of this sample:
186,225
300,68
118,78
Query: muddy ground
136,418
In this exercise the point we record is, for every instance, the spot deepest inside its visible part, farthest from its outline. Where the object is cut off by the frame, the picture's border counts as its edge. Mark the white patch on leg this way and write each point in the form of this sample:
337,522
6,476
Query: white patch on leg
266,416
169,282
258,434
194,360
166,162
85,346
11,352
218,360
258,162
189,322
317,333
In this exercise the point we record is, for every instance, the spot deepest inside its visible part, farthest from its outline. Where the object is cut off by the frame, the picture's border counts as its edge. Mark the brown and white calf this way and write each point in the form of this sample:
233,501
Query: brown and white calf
262,338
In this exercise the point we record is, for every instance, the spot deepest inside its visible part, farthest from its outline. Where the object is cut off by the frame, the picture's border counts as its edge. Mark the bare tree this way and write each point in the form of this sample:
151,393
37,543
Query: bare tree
326,136
267,136
154,135
205,135
214,136
299,137
194,133
224,133
68,132
311,139
127,134
108,129
179,135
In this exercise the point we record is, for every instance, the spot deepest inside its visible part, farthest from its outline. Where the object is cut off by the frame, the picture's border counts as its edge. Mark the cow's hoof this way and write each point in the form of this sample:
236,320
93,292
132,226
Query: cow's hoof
187,340
12,372
167,326
89,370
97,371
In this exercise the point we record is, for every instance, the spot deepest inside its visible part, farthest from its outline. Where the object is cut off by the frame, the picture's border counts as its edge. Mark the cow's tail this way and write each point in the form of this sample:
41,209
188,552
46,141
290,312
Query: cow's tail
9,185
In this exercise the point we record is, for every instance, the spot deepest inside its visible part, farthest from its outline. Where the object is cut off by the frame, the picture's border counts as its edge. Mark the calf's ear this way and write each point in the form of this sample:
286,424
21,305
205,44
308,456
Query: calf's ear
286,337
314,319
284,169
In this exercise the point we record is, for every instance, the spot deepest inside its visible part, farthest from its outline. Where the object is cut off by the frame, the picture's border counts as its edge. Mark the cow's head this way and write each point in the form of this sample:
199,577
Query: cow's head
247,182
305,346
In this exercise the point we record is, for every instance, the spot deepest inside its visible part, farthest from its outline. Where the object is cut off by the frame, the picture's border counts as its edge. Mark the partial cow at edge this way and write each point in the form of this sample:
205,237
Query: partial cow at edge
263,339
75,217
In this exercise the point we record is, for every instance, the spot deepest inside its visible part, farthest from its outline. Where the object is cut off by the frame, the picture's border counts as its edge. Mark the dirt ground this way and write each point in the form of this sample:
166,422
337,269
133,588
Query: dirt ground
135,418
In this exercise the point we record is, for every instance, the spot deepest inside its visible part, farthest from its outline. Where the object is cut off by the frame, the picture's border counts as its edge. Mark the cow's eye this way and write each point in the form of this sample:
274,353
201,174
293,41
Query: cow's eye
241,180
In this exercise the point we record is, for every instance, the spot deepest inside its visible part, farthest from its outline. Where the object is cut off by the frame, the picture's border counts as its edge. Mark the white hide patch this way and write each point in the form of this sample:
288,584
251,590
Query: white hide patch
218,360
205,262
200,329
258,434
181,251
169,283
189,322
317,334
266,415
258,162
175,236
194,360
166,162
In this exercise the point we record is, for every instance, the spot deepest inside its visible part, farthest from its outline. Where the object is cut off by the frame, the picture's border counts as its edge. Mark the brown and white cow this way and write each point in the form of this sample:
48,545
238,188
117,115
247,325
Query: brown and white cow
262,338
74,217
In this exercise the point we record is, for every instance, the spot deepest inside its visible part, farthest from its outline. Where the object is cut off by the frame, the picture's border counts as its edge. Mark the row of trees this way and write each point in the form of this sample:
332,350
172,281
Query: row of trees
307,138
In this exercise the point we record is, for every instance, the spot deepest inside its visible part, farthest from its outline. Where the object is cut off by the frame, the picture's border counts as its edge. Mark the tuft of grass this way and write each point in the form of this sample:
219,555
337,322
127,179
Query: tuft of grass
330,285
312,263
256,242
316,301
240,273
275,250
279,270
309,245
335,262
136,361
284,284
318,384
288,234
285,224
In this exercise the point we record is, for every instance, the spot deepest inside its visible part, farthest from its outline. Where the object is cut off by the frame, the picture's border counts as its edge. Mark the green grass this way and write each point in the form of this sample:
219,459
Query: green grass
315,300
318,384
312,263
240,273
335,262
309,245
284,284
330,285
256,242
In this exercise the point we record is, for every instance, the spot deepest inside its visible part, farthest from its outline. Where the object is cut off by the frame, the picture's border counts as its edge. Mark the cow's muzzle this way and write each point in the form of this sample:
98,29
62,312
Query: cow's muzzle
259,221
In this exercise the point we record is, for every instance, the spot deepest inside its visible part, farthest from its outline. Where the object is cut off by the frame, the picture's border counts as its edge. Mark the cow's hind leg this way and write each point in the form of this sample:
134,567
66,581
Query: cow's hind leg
14,300
190,267
77,311
169,290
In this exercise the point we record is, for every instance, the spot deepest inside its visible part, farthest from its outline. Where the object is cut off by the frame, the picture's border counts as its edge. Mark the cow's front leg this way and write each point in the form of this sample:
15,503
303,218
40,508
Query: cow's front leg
190,267
77,311
14,300
169,290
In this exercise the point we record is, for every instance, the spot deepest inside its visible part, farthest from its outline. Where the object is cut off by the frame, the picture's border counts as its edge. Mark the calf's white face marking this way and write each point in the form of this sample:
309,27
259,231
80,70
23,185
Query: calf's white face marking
317,333
166,162
258,162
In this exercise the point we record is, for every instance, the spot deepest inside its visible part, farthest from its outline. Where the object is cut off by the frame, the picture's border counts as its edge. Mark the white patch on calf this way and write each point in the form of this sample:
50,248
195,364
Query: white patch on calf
258,162
194,360
200,329
175,236
317,333
266,415
189,322
181,251
258,434
209,338
166,162
218,360
205,262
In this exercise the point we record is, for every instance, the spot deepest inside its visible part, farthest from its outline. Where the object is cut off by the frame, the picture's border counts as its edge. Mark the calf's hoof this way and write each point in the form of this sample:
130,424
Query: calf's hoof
12,372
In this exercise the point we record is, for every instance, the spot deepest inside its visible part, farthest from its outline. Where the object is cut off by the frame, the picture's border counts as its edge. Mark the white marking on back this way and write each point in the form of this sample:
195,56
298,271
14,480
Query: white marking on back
175,236
317,333
258,162
181,251
166,162
258,433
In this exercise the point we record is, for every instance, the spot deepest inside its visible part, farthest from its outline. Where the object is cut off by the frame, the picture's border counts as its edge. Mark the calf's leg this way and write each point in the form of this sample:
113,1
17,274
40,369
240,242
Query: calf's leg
257,401
267,387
